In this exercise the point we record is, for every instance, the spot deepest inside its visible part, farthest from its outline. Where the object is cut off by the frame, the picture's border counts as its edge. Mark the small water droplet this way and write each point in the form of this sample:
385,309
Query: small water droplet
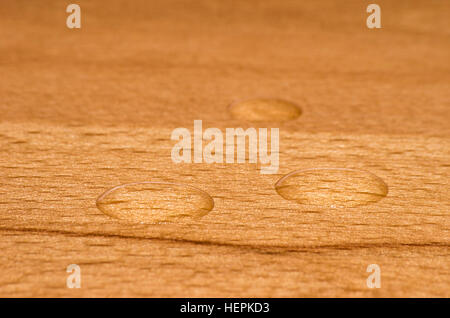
265,109
155,202
332,187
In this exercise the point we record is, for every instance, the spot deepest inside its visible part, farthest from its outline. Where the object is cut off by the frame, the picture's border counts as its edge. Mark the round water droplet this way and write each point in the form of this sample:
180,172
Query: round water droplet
331,187
265,109
154,202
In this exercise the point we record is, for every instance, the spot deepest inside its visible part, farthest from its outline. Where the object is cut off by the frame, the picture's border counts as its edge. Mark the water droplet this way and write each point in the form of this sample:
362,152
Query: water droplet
155,202
265,109
332,187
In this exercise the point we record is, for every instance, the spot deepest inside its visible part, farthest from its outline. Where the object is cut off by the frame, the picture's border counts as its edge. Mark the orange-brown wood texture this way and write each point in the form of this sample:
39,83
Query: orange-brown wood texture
84,110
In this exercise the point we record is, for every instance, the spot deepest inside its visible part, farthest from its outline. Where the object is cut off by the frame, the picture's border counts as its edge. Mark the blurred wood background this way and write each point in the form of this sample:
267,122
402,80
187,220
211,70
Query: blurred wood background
83,110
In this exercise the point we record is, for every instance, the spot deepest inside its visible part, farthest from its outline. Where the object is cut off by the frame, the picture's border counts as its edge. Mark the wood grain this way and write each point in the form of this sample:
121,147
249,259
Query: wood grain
86,110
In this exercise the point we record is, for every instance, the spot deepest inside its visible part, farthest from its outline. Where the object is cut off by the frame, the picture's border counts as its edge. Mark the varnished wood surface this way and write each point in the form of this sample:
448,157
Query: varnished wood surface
86,110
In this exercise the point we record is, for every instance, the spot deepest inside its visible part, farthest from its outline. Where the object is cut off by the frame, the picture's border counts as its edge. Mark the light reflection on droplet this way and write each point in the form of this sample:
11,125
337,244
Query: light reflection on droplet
265,109
155,202
332,187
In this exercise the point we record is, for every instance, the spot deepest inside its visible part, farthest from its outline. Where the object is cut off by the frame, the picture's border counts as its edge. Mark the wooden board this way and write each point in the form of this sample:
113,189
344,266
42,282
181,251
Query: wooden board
84,110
